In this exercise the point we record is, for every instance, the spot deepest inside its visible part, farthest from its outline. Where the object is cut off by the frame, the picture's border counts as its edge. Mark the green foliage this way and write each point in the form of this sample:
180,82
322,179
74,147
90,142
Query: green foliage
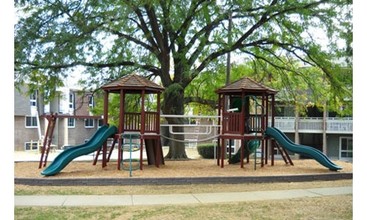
206,150
298,86
132,104
112,38
179,41
204,87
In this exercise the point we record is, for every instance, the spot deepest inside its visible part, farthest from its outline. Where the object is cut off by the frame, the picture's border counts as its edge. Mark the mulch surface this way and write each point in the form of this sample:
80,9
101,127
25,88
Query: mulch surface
187,168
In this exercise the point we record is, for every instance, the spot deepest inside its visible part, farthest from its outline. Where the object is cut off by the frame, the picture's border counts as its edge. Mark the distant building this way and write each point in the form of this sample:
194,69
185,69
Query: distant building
327,132
30,125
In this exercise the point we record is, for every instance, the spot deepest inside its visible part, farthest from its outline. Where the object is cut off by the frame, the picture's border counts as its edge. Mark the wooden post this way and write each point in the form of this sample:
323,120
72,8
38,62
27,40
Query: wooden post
219,131
272,125
157,122
266,126
105,108
142,128
105,121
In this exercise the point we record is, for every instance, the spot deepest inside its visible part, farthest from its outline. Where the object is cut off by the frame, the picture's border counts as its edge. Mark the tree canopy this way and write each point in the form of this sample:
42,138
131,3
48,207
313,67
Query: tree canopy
175,41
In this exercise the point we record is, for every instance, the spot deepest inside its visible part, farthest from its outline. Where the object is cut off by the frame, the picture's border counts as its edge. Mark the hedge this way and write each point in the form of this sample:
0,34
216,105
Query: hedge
206,150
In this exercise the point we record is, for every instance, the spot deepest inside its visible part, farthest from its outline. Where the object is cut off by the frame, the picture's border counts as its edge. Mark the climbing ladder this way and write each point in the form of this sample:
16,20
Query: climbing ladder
47,140
129,144
255,147
283,153
109,151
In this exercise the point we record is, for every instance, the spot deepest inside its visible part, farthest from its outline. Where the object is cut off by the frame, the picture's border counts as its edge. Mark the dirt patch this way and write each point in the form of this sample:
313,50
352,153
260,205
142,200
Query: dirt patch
189,168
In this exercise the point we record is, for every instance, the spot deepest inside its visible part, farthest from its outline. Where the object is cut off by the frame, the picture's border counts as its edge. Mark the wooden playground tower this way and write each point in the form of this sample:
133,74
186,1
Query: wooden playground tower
244,108
144,124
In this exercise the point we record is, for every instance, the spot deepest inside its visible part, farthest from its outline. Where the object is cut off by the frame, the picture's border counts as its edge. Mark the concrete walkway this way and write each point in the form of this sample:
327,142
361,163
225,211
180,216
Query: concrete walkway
176,199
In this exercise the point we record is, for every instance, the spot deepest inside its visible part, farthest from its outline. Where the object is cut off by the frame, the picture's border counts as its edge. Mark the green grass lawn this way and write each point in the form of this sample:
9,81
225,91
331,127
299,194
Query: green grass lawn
328,207
331,207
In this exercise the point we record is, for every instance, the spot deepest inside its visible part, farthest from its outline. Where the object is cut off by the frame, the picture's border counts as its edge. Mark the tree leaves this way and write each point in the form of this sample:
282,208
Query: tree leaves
179,40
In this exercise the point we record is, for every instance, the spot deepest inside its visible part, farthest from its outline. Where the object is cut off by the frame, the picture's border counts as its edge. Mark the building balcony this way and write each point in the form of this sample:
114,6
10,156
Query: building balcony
315,125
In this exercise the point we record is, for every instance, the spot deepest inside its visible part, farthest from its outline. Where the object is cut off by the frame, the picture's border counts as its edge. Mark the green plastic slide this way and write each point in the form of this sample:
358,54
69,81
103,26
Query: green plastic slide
252,145
94,143
308,151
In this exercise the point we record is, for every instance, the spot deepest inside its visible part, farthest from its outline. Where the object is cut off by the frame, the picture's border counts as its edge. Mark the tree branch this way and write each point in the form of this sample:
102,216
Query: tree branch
143,25
146,67
130,38
211,103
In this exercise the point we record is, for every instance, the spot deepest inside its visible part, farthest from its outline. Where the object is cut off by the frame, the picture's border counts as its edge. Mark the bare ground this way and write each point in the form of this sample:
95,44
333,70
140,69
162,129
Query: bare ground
196,167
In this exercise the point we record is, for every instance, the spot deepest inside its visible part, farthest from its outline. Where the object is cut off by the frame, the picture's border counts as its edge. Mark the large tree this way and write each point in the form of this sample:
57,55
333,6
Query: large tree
172,40
302,88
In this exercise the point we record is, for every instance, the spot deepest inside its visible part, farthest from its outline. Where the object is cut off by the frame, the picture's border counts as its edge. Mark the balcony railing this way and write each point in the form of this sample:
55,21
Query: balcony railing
315,125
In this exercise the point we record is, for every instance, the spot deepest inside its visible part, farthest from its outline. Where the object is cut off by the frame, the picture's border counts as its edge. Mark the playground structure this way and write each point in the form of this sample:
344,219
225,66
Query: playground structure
145,124
245,118
245,115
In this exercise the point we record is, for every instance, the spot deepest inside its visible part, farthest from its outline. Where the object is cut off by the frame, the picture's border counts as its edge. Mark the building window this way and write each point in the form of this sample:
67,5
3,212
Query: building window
91,101
31,145
346,147
89,123
33,99
31,122
71,122
71,100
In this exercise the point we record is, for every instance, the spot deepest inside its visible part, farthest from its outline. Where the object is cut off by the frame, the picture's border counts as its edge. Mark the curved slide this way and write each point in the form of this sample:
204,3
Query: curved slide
252,145
94,143
308,151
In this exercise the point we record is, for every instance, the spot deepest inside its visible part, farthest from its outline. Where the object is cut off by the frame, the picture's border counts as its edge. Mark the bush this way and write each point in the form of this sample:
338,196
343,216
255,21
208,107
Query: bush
206,150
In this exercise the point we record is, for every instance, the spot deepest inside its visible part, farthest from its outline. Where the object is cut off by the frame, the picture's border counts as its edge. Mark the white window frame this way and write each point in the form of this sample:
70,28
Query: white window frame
34,120
348,150
33,146
33,98
71,100
90,101
71,122
87,125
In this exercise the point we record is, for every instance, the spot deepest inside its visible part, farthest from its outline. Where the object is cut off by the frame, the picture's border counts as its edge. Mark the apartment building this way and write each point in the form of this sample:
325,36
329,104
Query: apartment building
327,132
75,125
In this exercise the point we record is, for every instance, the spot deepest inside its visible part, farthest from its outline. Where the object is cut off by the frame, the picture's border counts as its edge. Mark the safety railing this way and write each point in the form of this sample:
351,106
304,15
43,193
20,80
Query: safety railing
133,122
315,125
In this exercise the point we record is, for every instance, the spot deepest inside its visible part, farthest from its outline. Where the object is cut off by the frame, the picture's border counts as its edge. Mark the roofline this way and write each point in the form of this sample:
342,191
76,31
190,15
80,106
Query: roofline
224,90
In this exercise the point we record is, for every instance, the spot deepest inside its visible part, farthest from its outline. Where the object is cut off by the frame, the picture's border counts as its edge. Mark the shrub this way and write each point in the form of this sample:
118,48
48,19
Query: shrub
206,150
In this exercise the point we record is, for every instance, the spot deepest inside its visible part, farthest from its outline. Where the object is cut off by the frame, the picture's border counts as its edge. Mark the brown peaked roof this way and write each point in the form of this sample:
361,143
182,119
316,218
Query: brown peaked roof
246,85
132,83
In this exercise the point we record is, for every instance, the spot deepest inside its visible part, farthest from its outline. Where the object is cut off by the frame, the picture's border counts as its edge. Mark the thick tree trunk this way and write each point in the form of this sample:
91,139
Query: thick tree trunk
173,104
